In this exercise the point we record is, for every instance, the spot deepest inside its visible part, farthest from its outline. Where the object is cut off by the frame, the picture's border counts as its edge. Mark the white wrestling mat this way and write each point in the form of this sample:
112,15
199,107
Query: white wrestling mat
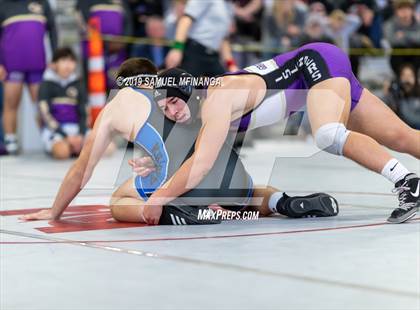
352,261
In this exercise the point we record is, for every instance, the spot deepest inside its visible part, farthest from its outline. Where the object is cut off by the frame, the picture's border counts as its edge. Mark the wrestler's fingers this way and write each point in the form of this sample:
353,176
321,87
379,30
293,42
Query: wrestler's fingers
215,207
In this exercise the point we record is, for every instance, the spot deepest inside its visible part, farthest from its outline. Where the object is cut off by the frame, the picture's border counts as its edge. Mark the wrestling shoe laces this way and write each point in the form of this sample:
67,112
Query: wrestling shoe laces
402,192
408,191
408,198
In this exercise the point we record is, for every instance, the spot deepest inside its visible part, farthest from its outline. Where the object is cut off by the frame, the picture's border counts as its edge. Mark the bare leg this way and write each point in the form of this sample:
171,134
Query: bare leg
263,193
33,92
334,106
373,118
12,96
126,205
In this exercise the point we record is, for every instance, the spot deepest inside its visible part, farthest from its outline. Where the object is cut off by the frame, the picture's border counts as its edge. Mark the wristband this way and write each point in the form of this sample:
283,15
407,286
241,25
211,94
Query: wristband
178,45
230,62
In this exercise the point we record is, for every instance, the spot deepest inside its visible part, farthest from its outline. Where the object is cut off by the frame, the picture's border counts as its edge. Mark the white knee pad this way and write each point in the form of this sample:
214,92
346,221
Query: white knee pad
331,138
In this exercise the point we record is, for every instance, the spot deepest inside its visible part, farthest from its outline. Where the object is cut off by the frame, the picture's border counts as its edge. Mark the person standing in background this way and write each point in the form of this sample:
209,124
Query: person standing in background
24,24
2,147
369,34
156,52
403,31
201,36
148,21
248,22
283,24
314,31
115,20
174,12
341,27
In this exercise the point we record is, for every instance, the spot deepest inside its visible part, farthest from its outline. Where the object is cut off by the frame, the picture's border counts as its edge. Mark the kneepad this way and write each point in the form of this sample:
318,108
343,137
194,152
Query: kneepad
331,138
187,215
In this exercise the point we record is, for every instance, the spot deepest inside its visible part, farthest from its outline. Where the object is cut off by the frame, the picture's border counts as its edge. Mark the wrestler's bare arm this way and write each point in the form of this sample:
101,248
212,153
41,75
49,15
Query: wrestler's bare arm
216,118
123,115
80,172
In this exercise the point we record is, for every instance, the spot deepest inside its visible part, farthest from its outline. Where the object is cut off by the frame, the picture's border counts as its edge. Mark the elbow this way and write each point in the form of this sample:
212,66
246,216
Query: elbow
204,171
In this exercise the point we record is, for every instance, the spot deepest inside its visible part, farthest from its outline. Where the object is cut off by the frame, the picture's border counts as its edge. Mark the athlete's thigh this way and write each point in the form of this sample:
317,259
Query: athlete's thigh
127,190
328,102
374,118
12,93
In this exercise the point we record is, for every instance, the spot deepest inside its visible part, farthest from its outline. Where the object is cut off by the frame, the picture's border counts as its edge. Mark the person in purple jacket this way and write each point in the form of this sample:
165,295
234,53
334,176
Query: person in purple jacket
346,119
24,24
114,20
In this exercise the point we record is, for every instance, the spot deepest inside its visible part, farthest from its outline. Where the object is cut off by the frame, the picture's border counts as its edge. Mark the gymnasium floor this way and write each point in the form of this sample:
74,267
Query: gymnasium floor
353,261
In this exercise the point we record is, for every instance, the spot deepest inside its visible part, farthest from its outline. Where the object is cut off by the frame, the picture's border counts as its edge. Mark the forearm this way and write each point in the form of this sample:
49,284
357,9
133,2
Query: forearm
182,28
70,187
188,176
226,51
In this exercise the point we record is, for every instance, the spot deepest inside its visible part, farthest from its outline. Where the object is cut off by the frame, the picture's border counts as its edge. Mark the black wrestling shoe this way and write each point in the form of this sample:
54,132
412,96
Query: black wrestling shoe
408,198
188,215
315,205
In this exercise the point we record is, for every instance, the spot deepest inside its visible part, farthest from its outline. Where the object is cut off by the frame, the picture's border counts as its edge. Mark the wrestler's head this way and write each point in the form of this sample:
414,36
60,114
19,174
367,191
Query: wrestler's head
64,62
176,96
135,67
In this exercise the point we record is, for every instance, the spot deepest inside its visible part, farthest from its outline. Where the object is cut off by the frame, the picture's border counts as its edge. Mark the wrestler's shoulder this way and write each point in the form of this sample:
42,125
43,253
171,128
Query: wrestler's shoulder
128,94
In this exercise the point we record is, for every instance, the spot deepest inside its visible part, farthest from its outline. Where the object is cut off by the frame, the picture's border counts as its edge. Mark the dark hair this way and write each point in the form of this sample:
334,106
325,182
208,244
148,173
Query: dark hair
64,52
136,66
407,65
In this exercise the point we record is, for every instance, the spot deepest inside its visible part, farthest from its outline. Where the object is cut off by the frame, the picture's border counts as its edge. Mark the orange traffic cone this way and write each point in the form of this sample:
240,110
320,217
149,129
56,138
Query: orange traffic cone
96,70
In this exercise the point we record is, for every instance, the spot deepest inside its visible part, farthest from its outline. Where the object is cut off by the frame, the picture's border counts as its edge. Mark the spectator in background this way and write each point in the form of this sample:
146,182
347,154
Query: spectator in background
62,105
404,96
156,52
141,11
115,19
283,24
314,31
320,7
172,16
341,27
2,147
23,24
248,17
201,36
369,34
148,21
403,31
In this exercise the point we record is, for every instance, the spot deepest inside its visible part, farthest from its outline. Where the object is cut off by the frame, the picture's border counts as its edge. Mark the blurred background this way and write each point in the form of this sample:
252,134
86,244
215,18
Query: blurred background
39,41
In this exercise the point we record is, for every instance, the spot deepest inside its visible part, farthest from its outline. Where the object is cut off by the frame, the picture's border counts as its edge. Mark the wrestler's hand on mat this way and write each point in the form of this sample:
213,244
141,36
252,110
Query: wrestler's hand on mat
152,214
40,215
142,166
174,58
224,213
